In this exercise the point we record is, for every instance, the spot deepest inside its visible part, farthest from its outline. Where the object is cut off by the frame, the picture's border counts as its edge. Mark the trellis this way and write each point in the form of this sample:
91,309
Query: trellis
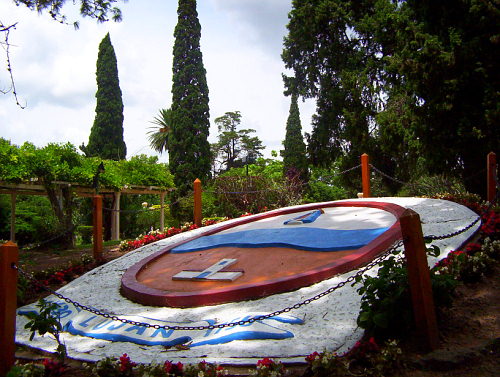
34,188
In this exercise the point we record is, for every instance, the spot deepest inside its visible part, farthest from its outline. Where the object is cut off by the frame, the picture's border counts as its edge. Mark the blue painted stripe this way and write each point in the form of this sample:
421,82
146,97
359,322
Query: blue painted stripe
306,219
313,239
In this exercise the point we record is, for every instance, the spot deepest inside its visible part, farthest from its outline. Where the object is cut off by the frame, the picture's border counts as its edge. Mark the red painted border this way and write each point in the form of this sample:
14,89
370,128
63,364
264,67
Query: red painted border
142,294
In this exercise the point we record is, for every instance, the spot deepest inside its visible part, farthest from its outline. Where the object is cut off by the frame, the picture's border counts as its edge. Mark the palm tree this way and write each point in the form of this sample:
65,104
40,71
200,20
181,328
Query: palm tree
158,136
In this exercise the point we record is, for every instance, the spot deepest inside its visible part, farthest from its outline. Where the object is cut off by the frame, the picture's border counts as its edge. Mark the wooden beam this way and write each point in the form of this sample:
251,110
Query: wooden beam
162,211
97,223
365,175
9,254
197,202
420,279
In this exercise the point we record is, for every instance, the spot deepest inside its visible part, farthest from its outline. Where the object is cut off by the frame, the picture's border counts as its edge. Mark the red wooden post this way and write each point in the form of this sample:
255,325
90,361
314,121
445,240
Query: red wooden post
365,175
491,168
97,223
8,301
197,202
420,279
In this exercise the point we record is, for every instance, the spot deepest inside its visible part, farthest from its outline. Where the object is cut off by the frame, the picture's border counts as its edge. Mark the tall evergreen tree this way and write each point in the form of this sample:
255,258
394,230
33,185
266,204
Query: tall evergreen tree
106,136
294,154
189,149
412,83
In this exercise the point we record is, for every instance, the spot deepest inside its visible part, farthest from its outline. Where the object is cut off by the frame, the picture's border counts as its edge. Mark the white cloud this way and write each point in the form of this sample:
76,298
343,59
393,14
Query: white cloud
54,67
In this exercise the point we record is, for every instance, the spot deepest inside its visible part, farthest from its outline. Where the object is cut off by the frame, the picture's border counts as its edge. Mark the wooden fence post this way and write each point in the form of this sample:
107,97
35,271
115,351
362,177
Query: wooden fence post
491,168
9,254
365,175
420,279
97,223
162,212
197,202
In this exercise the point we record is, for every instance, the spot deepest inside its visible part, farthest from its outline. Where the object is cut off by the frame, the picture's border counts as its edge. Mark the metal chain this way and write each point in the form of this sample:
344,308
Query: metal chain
348,170
450,235
113,317
389,177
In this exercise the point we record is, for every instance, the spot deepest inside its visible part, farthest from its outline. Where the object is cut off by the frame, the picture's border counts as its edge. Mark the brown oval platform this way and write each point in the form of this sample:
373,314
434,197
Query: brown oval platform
267,270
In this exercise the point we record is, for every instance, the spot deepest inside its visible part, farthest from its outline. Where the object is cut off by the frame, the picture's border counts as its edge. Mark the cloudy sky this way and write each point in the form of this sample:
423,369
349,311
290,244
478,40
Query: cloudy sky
54,69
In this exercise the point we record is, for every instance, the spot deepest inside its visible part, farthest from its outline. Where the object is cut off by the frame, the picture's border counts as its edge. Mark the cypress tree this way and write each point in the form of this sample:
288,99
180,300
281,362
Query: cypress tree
106,136
294,154
189,149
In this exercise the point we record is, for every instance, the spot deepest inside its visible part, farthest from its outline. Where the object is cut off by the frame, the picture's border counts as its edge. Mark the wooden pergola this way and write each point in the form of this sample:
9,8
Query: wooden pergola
34,188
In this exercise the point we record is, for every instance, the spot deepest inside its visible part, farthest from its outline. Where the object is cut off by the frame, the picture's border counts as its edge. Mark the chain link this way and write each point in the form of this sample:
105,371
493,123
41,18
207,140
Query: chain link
307,301
450,235
389,177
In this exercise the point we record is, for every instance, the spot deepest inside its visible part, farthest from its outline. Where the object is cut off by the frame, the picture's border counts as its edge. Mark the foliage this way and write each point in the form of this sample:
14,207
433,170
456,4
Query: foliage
189,149
472,263
46,322
324,185
268,368
153,236
433,185
113,367
158,136
386,309
234,148
294,154
27,370
35,220
396,80
98,9
85,233
106,135
62,162
366,358
124,367
236,195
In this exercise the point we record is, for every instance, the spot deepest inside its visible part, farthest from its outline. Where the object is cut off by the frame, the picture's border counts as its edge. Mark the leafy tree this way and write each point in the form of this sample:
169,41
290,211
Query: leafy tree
98,9
448,56
234,145
158,136
189,149
106,135
61,162
412,83
336,68
294,154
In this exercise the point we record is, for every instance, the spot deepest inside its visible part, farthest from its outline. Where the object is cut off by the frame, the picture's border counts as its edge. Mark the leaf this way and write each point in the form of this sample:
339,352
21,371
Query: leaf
381,320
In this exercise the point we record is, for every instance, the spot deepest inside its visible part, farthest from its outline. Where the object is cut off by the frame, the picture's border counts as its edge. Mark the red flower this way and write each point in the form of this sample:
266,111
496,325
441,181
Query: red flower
175,369
313,356
125,363
53,368
266,362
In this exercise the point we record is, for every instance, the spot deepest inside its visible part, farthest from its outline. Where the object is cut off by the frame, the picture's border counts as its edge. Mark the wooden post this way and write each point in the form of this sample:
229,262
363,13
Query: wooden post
97,223
420,279
115,217
13,217
491,168
197,202
9,253
365,175
162,211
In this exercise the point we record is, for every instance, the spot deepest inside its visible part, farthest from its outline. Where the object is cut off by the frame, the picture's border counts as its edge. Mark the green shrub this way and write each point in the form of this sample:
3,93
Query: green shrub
386,309
85,233
433,185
